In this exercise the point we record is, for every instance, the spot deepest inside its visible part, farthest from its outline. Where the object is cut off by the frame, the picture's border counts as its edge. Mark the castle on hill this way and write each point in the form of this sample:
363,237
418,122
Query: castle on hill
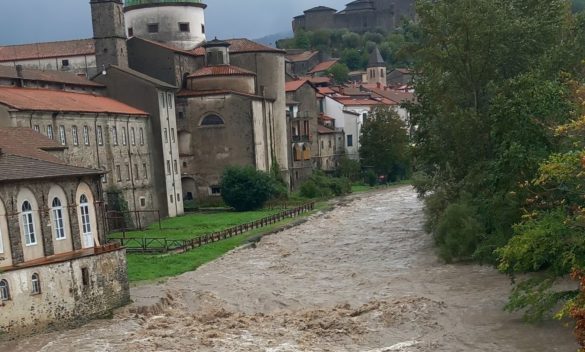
358,16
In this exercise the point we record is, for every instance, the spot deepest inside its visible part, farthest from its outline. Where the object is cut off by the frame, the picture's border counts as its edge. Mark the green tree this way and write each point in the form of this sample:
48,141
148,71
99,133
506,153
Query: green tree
384,144
245,188
339,72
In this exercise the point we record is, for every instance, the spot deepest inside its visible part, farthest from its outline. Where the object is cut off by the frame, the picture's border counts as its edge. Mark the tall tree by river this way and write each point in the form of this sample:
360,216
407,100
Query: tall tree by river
495,78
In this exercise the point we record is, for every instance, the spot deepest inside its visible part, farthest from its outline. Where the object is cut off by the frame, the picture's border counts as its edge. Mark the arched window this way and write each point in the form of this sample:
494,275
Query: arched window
58,219
35,284
28,224
4,291
85,221
212,120
381,72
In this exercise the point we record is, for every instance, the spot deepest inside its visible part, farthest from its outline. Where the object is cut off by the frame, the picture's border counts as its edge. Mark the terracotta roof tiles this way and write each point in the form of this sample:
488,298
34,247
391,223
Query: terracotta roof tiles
293,86
323,66
48,50
222,70
304,56
47,76
61,101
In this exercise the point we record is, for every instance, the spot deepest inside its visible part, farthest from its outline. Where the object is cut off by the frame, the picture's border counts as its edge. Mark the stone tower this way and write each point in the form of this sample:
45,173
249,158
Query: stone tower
109,33
376,68
180,23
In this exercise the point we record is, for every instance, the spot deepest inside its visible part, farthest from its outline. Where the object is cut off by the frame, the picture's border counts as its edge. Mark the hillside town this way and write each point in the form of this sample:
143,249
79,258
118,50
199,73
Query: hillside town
162,189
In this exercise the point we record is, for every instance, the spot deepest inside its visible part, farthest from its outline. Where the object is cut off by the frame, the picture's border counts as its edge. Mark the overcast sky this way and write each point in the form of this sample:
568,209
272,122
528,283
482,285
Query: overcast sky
29,21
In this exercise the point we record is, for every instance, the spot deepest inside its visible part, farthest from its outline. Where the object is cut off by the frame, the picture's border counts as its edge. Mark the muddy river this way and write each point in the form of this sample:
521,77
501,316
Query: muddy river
362,277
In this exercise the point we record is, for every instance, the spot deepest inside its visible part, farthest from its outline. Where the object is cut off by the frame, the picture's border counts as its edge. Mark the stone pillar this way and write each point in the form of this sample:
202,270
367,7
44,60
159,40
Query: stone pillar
74,222
15,239
46,228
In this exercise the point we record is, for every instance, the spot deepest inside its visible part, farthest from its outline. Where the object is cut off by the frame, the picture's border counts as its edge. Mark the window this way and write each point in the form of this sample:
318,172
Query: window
124,136
322,145
172,198
381,72
215,190
37,128
100,135
142,202
175,167
132,136
330,143
181,115
65,63
145,171
50,132
59,228
203,28
28,224
62,137
85,276
350,140
130,32
141,136
4,291
114,135
85,135
184,27
127,172
168,167
212,120
136,176
178,197
35,284
118,173
152,27
85,221
170,100
75,136
162,100
173,135
166,134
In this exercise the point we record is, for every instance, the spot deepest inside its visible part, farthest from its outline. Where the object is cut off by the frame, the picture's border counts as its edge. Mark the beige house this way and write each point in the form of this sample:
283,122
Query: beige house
55,268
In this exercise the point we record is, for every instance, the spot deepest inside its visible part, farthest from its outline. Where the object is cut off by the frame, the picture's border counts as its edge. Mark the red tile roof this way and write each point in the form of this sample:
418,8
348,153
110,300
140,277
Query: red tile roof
26,142
60,101
357,102
47,76
326,118
304,56
185,93
394,95
241,45
47,50
317,80
326,90
293,86
223,70
324,130
324,66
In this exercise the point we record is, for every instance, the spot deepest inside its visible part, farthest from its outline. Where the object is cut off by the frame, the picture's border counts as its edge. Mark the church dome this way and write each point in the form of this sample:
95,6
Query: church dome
179,23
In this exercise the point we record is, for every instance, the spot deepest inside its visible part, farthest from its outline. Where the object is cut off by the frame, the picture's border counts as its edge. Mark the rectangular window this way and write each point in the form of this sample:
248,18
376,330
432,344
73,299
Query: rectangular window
37,128
118,173
75,136
215,190
130,32
85,276
58,220
184,27
85,135
203,29
50,132
166,134
29,228
128,172
124,136
136,176
173,135
350,140
168,167
100,135
114,135
175,167
152,28
143,202
181,115
172,200
132,136
65,63
170,100
62,137
162,100
141,136
145,171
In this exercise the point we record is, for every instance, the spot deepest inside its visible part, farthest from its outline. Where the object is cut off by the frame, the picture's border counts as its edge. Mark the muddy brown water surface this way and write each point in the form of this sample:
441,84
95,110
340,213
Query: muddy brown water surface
363,277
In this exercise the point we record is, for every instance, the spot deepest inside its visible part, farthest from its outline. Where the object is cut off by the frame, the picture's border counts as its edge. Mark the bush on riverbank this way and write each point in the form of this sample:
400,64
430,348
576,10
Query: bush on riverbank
322,186
245,188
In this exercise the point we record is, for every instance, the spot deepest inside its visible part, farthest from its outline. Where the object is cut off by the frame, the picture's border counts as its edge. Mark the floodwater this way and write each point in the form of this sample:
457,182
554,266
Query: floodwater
362,277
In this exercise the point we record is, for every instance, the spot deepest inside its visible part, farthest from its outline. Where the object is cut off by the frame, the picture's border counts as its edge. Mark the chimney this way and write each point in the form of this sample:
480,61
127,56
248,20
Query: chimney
20,76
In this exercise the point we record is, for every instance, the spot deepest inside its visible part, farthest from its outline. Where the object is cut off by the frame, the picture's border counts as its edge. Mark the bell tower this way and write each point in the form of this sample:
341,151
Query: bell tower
109,33
377,68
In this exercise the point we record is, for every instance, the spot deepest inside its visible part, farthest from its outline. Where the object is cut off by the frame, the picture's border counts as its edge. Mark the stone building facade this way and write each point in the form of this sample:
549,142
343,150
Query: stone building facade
98,132
55,268
358,16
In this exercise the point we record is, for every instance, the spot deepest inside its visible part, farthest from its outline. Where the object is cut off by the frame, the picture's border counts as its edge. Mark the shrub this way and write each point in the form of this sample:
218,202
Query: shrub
370,178
458,232
309,189
321,186
245,188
